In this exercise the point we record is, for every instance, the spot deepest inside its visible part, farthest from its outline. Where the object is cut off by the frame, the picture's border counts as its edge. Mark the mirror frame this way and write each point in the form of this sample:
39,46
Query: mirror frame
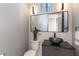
51,13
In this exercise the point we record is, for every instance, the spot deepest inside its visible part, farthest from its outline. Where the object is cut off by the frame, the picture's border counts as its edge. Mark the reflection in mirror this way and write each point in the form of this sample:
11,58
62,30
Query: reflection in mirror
40,22
56,22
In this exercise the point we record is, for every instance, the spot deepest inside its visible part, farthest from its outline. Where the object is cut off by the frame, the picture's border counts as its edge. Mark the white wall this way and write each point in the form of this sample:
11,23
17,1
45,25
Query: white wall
13,29
76,13
76,23
68,35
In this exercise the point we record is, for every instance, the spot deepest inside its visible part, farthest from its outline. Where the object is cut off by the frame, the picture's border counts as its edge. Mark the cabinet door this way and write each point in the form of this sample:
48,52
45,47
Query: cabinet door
56,51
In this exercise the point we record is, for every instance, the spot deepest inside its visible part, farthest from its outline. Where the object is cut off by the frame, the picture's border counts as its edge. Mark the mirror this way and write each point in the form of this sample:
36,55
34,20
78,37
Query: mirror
56,22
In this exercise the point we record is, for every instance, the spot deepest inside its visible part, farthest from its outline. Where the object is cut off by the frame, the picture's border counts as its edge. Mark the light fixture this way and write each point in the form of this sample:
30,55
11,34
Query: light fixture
62,6
62,9
33,10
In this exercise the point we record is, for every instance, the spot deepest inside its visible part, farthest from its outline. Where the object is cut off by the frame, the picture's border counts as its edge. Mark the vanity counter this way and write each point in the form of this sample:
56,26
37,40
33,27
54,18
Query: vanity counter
65,49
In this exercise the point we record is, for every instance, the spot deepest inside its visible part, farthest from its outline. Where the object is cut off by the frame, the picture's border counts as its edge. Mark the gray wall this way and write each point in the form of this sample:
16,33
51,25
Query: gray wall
13,29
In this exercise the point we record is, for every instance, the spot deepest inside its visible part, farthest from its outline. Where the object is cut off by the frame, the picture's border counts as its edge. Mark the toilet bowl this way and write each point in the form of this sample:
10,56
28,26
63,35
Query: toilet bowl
34,49
30,53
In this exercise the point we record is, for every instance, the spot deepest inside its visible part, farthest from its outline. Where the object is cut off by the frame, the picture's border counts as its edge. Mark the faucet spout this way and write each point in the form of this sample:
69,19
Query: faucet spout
54,35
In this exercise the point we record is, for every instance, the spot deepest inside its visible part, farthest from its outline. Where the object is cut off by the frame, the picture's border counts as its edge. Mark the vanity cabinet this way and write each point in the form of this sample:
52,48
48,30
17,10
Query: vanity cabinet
65,49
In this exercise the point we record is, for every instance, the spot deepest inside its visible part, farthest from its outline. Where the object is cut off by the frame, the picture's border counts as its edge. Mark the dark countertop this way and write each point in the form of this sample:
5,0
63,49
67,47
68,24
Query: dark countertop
64,44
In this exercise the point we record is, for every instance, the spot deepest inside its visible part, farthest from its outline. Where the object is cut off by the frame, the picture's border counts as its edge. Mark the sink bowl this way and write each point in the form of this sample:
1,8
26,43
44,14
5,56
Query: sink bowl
55,41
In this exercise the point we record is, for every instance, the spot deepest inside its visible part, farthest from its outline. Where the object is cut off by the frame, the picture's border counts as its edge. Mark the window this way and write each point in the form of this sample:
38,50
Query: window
46,7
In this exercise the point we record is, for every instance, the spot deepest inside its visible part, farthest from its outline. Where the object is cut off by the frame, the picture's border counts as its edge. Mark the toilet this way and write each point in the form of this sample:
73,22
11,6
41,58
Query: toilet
34,49
30,53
